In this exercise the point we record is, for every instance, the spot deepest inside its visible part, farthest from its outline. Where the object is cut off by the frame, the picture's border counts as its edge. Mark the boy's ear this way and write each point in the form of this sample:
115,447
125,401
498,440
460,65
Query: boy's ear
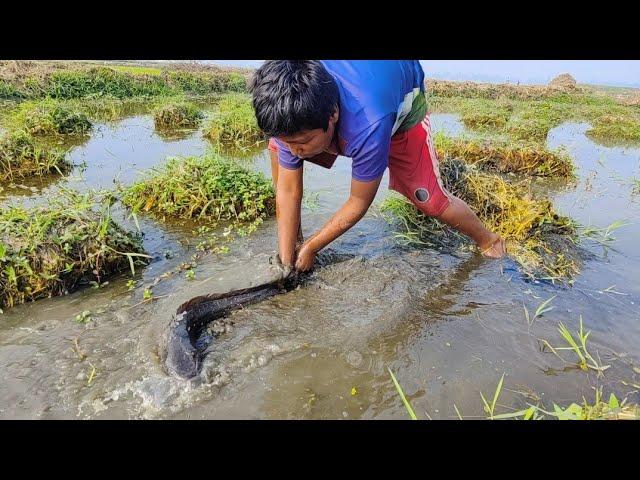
335,115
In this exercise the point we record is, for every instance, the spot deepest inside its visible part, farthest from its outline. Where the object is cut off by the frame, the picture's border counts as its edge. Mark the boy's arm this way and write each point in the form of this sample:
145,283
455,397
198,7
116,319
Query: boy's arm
370,159
288,202
275,167
360,198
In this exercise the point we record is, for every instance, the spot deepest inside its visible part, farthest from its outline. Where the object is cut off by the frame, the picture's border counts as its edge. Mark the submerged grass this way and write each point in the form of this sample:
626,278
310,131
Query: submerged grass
52,250
537,237
504,157
21,156
234,124
210,188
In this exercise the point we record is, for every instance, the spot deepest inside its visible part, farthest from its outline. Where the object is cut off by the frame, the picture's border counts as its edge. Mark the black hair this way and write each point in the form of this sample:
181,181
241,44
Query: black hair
293,95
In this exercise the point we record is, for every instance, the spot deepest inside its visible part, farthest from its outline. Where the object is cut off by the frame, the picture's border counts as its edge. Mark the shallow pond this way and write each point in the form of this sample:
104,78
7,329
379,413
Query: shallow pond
448,324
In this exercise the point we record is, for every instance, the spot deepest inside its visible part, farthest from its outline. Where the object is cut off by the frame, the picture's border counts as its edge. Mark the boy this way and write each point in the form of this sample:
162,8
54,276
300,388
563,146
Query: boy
373,111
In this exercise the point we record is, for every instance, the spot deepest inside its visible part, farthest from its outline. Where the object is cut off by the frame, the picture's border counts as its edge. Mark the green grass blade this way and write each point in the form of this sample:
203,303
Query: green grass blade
457,411
404,399
497,394
486,404
542,308
522,413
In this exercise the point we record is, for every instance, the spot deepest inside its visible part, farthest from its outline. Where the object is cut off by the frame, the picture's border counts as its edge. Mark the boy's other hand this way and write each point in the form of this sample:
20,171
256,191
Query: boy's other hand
305,258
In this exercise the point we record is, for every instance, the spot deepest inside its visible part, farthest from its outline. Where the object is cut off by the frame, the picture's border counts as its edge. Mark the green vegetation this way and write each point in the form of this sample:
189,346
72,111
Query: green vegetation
506,157
613,409
527,113
177,115
616,127
50,117
210,188
20,156
234,123
51,250
530,227
65,80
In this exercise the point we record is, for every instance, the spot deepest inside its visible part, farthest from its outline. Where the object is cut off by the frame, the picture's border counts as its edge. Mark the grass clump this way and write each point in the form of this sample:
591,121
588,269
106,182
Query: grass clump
66,80
534,120
106,109
234,124
21,157
619,127
530,112
496,119
50,117
137,70
578,346
177,115
210,188
530,129
52,250
204,83
98,81
537,237
483,114
7,90
613,409
444,88
503,157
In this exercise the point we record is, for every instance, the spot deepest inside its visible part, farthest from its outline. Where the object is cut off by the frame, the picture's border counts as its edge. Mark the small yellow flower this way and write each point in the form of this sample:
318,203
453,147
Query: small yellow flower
354,391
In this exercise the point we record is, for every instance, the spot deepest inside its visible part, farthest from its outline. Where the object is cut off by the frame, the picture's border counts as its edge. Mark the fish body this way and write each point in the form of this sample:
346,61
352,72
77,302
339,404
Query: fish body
185,341
184,347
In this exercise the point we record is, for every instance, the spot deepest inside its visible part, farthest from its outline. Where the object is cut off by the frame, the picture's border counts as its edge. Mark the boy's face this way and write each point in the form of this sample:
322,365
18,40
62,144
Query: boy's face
308,143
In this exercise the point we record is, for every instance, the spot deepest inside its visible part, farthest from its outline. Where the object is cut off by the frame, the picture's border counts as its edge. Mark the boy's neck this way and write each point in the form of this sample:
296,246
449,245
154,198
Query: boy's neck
333,147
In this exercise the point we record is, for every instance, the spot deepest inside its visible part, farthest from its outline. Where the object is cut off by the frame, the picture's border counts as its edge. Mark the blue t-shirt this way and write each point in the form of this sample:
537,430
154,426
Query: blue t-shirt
375,97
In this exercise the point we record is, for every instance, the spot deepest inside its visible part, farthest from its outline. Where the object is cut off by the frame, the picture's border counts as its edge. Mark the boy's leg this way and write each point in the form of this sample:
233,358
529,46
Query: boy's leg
459,216
414,172
273,154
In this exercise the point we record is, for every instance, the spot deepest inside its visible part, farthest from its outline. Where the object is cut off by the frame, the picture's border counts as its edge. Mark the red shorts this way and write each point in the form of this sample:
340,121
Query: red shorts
413,168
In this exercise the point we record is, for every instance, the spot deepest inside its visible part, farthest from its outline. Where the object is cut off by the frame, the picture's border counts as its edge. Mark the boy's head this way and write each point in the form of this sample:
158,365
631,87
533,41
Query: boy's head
296,101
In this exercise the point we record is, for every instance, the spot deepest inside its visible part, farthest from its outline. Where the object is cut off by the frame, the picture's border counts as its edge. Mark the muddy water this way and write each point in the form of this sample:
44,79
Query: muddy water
448,324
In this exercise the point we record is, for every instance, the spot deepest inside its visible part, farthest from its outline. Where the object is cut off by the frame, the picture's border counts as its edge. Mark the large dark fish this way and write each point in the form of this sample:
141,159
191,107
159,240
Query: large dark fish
184,345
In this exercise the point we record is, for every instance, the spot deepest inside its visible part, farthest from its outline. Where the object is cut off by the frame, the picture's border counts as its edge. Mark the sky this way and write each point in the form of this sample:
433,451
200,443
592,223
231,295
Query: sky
622,73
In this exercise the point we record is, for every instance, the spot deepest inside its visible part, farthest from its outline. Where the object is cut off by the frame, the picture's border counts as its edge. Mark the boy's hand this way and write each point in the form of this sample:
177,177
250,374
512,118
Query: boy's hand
305,258
362,194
